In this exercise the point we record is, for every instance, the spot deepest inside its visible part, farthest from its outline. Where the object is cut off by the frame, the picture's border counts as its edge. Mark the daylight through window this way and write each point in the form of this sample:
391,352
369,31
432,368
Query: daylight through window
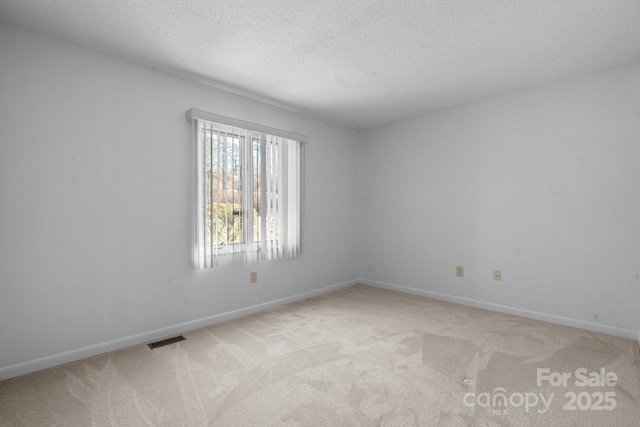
248,191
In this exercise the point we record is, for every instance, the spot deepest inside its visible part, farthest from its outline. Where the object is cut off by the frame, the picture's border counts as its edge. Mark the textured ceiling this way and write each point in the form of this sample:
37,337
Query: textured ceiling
358,63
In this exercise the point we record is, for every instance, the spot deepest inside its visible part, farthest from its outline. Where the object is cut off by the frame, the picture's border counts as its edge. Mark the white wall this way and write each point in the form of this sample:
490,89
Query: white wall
543,184
95,215
95,219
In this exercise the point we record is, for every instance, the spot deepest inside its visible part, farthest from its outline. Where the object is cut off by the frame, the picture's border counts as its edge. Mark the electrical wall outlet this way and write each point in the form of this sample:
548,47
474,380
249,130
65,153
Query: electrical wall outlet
460,271
497,275
254,277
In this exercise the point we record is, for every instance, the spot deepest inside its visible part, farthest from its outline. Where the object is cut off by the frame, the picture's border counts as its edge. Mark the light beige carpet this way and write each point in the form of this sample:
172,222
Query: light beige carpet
361,356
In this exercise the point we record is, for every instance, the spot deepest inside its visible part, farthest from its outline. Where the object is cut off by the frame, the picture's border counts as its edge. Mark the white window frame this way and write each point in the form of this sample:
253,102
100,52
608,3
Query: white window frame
249,250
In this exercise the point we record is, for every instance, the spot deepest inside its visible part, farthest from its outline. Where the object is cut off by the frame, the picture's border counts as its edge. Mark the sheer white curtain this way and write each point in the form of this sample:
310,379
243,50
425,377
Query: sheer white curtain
249,191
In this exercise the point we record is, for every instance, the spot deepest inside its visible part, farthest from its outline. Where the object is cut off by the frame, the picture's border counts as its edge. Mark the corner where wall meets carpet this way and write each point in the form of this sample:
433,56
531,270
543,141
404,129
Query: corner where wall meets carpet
358,356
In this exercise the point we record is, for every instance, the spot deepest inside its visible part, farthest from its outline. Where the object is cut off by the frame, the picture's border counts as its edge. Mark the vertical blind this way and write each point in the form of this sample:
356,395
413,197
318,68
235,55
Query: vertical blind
248,198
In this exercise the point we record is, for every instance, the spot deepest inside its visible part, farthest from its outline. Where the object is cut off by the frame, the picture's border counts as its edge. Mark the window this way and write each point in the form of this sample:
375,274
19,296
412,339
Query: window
248,195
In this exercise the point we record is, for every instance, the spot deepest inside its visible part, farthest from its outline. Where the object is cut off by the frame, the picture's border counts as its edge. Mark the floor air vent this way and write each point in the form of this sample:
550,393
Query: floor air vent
166,342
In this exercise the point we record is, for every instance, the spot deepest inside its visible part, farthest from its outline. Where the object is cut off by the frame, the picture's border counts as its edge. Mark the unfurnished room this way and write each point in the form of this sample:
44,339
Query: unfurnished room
329,213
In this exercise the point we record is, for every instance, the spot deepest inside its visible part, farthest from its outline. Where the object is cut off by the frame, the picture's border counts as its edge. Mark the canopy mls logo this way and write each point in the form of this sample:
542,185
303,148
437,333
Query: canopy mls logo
498,402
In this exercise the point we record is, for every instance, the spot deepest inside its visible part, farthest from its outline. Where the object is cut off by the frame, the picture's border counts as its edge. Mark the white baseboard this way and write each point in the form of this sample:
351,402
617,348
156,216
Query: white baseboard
589,326
81,353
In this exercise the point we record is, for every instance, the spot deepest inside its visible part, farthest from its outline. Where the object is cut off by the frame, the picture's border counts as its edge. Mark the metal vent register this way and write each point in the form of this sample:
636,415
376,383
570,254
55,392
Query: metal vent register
166,342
